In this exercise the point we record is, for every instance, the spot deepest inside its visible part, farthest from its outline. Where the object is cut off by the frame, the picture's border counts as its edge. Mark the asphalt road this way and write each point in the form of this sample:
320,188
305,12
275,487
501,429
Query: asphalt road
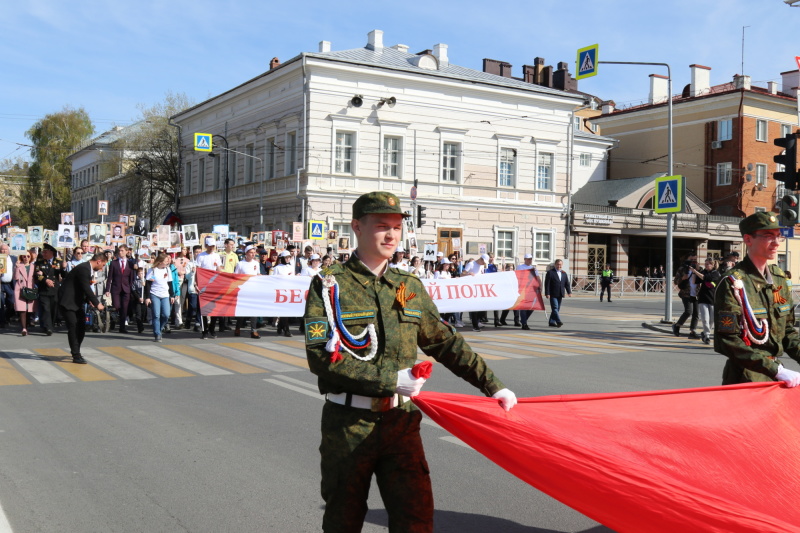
222,435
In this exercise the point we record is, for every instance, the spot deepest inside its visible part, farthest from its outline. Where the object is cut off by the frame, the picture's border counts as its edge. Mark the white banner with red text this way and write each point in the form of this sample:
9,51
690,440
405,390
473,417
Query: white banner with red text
223,294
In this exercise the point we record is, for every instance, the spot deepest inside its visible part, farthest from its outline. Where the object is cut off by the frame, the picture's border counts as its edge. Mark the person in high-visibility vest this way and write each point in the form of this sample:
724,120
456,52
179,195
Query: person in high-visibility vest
605,282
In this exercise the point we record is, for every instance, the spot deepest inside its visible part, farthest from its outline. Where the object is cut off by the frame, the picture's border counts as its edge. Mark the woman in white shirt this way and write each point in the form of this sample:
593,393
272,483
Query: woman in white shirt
283,268
159,293
417,267
249,266
443,270
313,267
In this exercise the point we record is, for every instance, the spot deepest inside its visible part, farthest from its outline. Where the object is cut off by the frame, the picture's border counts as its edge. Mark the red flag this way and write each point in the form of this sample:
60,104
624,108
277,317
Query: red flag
719,459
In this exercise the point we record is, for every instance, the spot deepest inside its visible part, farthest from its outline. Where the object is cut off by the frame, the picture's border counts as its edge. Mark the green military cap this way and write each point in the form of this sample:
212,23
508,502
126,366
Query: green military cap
757,221
378,202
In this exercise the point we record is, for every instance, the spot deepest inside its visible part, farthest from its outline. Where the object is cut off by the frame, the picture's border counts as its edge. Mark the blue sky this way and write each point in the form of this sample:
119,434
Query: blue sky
108,56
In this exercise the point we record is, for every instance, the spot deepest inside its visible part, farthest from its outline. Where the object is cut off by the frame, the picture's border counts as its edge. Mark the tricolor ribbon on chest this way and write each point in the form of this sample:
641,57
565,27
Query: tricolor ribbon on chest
753,330
339,337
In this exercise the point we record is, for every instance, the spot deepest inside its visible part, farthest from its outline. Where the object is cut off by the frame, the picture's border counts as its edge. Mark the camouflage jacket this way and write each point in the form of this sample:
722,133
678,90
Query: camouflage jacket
366,299
770,299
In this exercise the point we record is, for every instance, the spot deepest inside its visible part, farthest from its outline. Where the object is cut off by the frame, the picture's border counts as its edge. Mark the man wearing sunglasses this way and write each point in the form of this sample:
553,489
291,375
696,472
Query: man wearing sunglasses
753,316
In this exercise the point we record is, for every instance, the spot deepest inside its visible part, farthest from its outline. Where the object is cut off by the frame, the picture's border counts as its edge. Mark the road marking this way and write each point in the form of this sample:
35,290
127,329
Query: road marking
41,370
456,440
301,390
224,362
272,354
311,386
114,365
253,359
182,361
63,359
9,375
5,526
151,365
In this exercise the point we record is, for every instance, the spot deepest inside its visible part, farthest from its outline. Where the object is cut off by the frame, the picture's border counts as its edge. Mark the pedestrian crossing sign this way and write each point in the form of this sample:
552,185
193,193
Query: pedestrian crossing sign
587,62
202,142
669,194
316,229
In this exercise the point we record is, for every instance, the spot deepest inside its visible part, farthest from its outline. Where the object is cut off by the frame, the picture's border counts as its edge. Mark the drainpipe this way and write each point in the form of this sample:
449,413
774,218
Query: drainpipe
570,166
304,198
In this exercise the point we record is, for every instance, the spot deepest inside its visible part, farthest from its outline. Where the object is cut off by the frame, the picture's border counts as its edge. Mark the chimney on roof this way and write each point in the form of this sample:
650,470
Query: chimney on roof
659,89
375,41
324,46
608,107
562,79
401,48
440,53
741,82
790,82
772,87
497,67
274,63
701,80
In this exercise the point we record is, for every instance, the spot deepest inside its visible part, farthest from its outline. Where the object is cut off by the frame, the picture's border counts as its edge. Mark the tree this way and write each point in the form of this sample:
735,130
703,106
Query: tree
151,148
54,138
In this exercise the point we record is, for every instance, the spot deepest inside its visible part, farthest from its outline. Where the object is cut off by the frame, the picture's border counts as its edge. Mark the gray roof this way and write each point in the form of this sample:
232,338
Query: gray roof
602,192
395,59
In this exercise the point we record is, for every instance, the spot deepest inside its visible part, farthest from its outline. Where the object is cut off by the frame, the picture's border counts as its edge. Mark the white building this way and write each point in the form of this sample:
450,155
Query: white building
491,154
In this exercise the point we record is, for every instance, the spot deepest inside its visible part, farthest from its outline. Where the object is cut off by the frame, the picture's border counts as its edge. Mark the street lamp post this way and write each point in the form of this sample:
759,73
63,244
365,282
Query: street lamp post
261,201
212,154
150,186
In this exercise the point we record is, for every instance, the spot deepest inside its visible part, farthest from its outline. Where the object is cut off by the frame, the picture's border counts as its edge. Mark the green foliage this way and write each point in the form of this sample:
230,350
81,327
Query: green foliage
54,138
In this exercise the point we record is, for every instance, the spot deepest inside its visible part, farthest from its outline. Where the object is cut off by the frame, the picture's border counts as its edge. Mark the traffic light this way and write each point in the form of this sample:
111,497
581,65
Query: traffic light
789,211
789,161
420,215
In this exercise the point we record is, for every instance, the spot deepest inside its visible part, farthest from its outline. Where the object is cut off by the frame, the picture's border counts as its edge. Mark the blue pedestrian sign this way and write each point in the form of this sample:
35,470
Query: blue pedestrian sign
787,232
587,62
316,229
669,195
202,142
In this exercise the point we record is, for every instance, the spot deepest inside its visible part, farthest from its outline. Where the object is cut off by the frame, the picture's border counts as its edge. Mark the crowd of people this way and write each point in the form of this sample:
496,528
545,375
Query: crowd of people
161,289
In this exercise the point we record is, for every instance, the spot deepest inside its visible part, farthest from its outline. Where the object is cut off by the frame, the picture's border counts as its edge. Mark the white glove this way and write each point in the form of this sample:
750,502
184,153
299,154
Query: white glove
507,398
408,385
790,377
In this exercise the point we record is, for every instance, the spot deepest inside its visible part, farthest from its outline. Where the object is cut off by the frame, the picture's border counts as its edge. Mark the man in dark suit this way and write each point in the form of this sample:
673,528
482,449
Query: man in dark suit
556,285
75,291
120,279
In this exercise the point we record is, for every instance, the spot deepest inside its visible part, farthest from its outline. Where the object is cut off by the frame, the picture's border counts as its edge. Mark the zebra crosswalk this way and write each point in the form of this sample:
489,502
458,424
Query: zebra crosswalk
140,361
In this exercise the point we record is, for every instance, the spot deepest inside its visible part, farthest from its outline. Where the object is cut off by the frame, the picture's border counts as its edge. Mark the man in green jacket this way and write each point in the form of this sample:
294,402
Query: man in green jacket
363,324
753,317
605,282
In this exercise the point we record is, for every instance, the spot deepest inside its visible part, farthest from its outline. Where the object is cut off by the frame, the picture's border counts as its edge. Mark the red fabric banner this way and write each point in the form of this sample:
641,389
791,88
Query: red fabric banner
718,459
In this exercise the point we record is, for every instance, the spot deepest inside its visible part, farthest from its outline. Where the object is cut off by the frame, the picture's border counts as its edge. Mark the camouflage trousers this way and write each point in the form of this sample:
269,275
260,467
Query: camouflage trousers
356,444
733,374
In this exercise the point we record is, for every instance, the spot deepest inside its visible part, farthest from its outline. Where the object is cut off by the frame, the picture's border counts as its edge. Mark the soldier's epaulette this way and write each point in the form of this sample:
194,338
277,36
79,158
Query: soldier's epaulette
777,271
332,270
403,272
736,273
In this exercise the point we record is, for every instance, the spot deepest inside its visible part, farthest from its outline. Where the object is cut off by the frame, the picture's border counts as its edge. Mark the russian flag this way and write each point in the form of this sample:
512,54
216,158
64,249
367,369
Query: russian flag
5,219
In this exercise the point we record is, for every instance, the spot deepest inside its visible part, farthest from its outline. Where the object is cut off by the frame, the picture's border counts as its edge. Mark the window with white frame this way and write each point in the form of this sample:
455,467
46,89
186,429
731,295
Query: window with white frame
761,130
507,172
451,154
544,171
249,163
761,175
576,123
233,169
759,209
780,189
504,245
187,179
291,152
217,173
542,246
786,129
270,158
344,152
343,229
725,130
586,160
724,173
201,174
391,156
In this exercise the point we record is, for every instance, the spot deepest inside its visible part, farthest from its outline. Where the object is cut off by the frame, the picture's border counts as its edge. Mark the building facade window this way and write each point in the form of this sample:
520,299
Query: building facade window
217,173
343,229
504,245
201,175
586,160
270,158
724,173
507,173
761,175
344,152
543,247
249,163
759,209
725,130
233,169
451,155
391,156
786,129
187,179
761,130
576,123
780,189
291,152
544,171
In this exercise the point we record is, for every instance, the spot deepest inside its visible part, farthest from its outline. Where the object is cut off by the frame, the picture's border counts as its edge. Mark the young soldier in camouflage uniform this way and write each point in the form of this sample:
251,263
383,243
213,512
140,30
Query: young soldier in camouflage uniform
363,323
753,318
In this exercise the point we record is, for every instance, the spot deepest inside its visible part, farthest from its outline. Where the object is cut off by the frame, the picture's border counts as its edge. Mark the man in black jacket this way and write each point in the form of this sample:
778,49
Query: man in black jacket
556,285
48,274
75,291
